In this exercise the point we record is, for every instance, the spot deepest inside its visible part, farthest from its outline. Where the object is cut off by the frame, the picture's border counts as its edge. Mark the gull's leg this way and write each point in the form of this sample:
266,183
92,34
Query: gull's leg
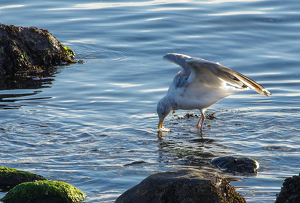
198,124
202,118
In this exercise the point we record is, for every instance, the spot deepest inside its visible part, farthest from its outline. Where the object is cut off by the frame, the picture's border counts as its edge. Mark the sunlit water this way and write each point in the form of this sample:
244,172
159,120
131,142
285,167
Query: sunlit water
87,123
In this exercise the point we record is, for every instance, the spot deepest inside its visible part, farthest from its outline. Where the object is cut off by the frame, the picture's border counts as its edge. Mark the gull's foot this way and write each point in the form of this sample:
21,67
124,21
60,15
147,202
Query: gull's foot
163,129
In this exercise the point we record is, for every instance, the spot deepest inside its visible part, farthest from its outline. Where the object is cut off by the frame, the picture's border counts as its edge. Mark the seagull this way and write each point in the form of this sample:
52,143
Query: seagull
199,85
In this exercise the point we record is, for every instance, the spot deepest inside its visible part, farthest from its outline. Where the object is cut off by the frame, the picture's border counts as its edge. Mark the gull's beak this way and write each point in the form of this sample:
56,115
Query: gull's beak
160,124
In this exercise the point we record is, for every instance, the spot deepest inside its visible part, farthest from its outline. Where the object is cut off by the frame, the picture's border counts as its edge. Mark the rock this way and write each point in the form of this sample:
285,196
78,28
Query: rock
235,164
136,163
290,192
183,186
10,177
44,191
28,50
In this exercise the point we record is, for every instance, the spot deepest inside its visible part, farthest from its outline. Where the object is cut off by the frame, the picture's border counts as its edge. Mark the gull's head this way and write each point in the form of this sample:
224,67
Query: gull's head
164,108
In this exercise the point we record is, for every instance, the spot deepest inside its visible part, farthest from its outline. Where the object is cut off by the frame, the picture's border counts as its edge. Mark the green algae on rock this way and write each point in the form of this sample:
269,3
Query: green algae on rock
10,177
45,191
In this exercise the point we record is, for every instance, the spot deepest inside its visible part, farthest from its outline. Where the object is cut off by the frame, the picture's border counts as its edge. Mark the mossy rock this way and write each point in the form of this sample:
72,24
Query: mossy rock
10,177
45,191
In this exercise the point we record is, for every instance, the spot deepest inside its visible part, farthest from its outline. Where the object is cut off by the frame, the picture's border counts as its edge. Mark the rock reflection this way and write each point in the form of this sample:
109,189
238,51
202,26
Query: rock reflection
12,89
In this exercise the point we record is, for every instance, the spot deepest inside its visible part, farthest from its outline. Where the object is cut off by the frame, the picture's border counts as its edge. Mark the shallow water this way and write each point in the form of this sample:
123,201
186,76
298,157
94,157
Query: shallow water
86,123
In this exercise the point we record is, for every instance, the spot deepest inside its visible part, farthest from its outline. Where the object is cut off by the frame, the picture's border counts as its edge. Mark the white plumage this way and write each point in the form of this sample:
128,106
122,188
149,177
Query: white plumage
199,85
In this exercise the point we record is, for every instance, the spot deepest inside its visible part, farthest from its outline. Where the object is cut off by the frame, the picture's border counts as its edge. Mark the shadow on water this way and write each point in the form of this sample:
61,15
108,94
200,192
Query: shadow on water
12,89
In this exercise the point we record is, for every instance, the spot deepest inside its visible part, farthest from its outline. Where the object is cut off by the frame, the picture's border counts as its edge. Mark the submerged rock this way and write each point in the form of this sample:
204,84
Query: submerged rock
44,191
236,164
182,186
28,50
290,192
10,177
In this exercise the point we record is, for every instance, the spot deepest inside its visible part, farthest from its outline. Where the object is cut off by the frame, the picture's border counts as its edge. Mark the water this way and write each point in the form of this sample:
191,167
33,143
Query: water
86,123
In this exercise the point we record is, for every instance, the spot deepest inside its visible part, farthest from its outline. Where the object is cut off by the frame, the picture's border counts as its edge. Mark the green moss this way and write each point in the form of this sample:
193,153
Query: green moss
69,54
10,173
40,191
69,51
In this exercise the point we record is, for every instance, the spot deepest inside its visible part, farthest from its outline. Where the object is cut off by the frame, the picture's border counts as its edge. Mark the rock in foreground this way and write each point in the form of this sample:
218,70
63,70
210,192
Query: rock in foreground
236,164
184,186
10,177
44,191
26,50
290,192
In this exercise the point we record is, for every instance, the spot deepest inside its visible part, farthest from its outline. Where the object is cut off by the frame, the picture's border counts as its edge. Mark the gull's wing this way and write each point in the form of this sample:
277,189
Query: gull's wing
209,71
180,60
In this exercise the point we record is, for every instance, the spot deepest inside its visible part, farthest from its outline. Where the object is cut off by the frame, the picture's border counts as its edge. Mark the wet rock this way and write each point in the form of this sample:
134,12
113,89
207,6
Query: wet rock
10,177
182,186
236,164
28,50
44,191
290,192
136,163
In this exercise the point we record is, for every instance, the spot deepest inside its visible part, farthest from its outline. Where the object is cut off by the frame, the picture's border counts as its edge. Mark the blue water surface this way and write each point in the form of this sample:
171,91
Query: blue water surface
87,123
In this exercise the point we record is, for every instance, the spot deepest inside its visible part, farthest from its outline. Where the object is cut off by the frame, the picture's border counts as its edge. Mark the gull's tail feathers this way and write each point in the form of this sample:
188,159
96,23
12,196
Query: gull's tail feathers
251,83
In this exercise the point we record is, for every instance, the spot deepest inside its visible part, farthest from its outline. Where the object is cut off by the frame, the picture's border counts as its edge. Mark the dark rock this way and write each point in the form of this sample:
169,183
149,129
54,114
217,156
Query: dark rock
28,51
10,177
290,192
235,164
45,191
184,186
136,163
